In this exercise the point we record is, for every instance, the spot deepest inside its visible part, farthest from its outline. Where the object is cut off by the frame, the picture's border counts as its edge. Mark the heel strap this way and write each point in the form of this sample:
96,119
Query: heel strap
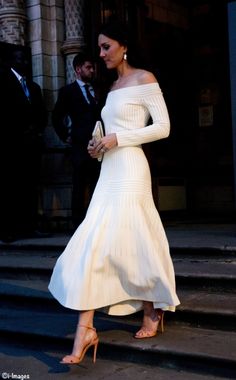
87,327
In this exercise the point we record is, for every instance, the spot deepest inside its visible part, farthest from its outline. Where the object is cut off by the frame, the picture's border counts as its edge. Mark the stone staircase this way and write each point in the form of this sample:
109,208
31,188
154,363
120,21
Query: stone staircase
199,338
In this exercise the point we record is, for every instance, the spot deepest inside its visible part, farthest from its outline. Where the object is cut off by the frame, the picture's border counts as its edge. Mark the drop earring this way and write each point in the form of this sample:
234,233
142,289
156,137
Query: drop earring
125,56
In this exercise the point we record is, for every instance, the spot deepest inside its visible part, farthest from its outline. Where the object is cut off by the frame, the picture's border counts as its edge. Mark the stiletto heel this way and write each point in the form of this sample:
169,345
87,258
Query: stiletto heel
73,359
95,351
145,332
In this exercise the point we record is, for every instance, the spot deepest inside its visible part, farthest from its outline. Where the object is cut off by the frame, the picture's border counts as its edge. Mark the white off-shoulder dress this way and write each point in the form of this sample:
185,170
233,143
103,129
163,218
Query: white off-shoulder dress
119,255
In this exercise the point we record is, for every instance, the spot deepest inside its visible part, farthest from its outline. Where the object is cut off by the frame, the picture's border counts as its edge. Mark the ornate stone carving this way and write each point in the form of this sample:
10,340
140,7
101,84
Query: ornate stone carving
74,22
13,21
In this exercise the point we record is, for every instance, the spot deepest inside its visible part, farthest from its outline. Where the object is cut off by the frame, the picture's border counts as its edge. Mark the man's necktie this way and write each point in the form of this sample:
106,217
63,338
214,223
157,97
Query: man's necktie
90,97
25,88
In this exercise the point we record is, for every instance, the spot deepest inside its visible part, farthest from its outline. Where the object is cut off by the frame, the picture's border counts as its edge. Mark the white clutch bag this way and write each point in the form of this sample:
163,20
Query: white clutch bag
98,134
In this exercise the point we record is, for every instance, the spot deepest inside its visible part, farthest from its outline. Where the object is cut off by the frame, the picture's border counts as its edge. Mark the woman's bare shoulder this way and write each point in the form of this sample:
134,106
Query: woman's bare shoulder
145,77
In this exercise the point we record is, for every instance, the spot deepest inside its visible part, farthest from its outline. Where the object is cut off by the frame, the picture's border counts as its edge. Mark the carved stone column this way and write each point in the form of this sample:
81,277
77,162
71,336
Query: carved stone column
13,22
74,22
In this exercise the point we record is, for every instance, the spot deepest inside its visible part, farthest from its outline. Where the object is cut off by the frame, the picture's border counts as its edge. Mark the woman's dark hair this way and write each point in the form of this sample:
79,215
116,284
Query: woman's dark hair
116,31
119,32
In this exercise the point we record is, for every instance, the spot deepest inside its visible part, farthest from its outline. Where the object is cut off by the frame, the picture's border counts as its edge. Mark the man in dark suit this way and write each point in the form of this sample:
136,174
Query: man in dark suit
78,103
23,119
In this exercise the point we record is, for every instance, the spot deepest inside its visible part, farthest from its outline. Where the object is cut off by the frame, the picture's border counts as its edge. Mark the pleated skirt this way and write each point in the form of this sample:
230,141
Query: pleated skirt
119,255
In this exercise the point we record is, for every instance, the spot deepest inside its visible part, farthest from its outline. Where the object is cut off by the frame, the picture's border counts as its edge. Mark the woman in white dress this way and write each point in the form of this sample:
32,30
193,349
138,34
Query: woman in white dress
118,259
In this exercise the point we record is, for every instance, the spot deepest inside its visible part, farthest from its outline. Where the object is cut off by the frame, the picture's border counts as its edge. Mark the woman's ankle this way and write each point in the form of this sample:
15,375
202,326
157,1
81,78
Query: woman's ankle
149,311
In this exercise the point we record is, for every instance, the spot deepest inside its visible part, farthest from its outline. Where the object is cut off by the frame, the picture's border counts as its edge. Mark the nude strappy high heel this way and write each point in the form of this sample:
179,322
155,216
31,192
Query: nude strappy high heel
73,359
147,333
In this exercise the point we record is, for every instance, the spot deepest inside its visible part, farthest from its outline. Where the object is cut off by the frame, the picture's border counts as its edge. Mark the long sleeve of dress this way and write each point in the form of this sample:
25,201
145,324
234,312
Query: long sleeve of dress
151,103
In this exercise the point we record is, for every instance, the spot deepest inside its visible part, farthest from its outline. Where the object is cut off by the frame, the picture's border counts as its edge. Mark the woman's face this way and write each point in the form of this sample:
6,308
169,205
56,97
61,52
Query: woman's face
111,51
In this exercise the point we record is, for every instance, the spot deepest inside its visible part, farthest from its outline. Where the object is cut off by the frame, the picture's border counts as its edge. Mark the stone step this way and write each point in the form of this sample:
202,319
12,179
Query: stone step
57,245
181,347
180,254
201,335
56,242
215,274
42,362
199,308
219,253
